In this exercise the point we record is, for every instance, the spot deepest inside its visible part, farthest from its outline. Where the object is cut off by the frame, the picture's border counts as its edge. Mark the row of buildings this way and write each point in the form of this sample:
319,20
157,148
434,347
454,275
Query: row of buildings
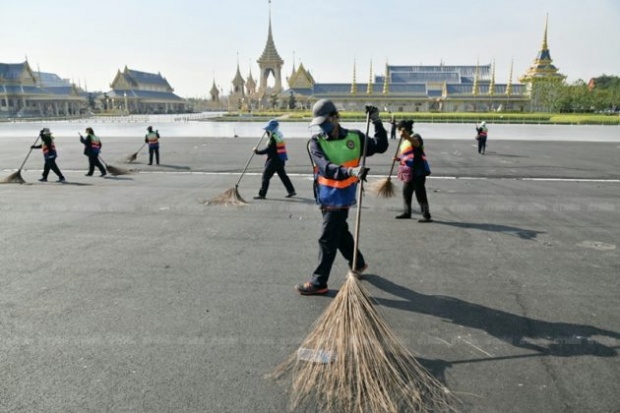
442,88
27,93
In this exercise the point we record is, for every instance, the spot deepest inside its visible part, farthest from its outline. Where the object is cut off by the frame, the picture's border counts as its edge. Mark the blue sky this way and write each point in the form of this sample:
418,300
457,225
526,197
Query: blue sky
196,42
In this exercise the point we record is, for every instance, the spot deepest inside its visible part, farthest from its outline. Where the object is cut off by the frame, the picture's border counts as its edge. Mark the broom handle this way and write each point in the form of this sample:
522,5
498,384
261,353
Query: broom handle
143,145
102,161
395,155
360,189
249,160
29,152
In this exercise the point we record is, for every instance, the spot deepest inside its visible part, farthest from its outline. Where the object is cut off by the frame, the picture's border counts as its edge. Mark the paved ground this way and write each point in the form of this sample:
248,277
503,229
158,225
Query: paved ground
128,294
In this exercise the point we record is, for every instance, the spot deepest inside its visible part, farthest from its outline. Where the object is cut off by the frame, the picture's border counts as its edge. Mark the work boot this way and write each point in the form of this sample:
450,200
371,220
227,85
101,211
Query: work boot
404,215
308,288
426,214
43,180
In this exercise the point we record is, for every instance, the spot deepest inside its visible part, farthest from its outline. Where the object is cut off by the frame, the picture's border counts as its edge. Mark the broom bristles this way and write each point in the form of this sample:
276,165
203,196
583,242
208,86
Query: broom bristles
384,188
115,171
14,178
132,157
368,370
230,197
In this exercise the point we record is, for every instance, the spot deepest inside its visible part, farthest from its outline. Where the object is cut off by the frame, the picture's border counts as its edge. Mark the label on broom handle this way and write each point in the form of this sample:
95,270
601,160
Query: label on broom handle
316,356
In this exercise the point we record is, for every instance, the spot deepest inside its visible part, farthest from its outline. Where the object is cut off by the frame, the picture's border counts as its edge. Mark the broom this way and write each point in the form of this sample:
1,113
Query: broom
113,170
16,177
232,196
385,188
134,155
352,362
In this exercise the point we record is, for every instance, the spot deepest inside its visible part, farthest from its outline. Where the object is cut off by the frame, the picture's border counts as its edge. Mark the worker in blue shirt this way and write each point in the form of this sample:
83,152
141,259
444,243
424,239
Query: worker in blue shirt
336,153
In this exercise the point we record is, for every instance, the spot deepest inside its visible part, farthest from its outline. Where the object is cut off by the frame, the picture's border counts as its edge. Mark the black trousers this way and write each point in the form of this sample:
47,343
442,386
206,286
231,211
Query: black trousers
335,237
482,144
270,170
50,164
416,185
93,161
151,152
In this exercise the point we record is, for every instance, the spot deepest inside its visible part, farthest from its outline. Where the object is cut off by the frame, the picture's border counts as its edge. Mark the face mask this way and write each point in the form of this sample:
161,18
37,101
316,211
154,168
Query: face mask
327,127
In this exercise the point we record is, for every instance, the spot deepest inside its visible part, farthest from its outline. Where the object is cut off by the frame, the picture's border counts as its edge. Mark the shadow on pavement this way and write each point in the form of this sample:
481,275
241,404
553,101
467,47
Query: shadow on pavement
544,337
505,229
177,167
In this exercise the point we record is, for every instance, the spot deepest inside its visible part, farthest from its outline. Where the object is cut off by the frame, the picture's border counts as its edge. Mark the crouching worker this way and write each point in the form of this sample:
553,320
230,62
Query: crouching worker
336,154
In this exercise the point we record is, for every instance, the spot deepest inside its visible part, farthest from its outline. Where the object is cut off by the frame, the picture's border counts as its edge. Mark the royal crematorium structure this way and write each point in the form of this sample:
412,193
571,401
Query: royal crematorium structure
407,88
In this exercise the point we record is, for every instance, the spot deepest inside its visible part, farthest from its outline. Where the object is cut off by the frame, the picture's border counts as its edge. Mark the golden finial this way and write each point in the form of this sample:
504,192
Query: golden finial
509,85
544,44
474,90
492,84
386,80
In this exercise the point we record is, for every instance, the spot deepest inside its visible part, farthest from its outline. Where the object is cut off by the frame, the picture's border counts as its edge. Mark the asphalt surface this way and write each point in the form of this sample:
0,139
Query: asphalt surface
129,294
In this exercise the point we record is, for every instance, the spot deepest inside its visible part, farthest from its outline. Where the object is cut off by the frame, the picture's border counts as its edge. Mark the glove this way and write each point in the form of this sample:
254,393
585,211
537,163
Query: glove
359,172
373,112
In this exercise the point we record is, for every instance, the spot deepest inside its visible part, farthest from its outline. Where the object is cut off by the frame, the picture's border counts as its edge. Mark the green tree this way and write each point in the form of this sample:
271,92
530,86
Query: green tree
273,101
291,101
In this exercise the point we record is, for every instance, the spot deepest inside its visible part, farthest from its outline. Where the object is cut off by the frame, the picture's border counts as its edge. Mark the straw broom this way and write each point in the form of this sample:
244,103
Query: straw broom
134,155
16,177
385,188
232,195
352,362
113,170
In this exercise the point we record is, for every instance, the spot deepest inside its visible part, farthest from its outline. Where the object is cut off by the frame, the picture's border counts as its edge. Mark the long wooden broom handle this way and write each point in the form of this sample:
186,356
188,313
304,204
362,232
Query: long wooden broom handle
29,152
360,190
249,160
395,155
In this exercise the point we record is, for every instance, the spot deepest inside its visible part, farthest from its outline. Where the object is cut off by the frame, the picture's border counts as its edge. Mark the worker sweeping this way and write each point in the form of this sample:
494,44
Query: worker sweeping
152,138
336,154
413,170
92,147
276,159
49,154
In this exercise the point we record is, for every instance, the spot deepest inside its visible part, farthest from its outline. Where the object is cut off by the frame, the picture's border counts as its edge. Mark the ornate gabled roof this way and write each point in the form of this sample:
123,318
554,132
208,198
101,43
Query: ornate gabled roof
14,72
301,78
270,54
51,80
142,78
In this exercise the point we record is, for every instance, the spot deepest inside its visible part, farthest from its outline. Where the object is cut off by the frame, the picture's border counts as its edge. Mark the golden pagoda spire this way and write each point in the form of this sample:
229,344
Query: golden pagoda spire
492,84
474,90
369,88
444,90
354,84
386,79
544,43
509,85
